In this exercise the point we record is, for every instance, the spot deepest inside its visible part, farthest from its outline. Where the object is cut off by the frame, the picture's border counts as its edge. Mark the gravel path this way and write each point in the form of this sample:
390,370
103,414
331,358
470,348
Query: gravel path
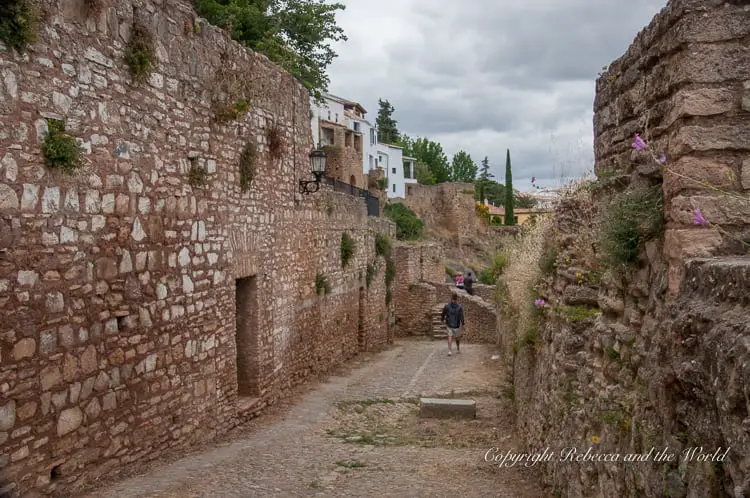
359,435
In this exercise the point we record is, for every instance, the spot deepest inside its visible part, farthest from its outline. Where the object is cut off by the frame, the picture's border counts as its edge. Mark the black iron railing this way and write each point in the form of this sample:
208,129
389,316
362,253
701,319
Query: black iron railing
373,205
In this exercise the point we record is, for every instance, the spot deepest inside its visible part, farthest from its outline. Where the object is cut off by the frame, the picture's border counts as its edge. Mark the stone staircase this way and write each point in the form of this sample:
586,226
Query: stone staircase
437,330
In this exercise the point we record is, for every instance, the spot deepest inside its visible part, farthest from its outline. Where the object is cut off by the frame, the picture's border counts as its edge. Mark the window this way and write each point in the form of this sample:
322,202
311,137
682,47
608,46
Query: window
329,115
337,117
372,136
393,170
371,161
394,187
356,126
515,220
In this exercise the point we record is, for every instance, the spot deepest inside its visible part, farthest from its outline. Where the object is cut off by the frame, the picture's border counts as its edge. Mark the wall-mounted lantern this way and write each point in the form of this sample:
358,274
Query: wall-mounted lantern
318,167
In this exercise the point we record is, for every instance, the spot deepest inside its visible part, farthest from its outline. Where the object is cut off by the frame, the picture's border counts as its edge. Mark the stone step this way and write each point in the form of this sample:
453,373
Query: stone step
447,408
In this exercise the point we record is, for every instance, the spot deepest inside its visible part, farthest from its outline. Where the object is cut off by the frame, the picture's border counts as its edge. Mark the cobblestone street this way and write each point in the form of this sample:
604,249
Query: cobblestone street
358,434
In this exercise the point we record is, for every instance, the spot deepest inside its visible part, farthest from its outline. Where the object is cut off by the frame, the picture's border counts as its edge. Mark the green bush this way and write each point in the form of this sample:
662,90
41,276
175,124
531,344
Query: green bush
247,166
370,274
499,263
322,286
61,151
548,261
19,23
408,225
383,184
383,245
450,272
139,53
348,245
631,218
485,277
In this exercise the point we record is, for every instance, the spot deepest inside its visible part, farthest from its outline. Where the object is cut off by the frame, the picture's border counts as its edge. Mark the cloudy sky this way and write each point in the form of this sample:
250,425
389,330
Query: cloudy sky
486,75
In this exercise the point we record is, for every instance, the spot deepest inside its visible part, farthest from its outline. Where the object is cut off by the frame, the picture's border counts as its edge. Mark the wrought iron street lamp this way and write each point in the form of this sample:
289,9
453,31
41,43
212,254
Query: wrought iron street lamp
318,167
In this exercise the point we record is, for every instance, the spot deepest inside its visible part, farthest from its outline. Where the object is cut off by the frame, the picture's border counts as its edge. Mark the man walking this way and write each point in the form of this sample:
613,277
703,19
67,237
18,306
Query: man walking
453,317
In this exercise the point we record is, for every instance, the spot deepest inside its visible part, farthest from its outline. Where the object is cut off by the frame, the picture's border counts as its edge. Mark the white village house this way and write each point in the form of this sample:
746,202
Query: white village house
399,170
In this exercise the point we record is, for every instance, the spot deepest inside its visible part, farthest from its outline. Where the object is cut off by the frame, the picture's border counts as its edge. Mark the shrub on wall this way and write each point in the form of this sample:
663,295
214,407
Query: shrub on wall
370,274
383,245
275,141
322,286
61,151
232,112
408,225
631,218
19,23
348,245
197,176
139,53
247,166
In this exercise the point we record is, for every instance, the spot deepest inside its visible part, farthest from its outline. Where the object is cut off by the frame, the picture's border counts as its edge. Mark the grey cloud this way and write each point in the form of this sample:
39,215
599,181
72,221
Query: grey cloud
489,74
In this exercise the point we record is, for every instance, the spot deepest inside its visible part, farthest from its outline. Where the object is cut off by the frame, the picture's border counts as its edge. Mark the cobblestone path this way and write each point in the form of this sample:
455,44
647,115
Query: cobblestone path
358,435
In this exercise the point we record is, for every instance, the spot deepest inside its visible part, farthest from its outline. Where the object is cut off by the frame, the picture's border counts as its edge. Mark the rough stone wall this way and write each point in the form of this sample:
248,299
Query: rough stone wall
118,283
415,264
447,208
684,84
414,309
663,360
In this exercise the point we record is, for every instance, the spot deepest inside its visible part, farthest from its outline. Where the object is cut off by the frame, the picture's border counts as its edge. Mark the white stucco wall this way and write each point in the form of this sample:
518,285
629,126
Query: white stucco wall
395,160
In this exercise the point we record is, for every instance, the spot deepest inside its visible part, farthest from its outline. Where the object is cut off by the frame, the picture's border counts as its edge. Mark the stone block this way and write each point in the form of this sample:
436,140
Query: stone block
447,408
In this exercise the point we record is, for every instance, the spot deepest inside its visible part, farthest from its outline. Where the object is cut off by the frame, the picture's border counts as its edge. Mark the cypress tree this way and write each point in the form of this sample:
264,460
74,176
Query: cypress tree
509,217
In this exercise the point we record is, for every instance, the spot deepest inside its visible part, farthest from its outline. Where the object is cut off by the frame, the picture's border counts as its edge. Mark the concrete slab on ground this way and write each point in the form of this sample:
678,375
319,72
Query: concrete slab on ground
447,408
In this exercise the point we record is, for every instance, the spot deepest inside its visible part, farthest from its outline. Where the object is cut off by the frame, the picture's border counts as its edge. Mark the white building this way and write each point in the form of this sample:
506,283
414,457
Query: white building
399,170
350,114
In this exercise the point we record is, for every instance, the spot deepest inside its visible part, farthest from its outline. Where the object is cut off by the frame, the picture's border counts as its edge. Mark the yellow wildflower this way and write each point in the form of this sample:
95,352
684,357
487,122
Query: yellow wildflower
595,439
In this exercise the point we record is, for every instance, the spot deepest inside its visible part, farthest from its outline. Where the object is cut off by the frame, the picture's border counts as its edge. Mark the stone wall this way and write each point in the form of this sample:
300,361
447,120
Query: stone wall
684,85
654,356
126,292
415,264
447,208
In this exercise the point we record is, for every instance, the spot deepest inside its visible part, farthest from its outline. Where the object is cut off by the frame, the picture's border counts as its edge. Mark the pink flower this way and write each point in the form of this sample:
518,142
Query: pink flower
539,303
638,143
698,218
662,159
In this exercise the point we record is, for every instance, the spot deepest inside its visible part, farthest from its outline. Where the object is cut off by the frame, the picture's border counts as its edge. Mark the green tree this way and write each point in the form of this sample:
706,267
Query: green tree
423,174
296,34
509,216
484,180
463,167
387,130
431,153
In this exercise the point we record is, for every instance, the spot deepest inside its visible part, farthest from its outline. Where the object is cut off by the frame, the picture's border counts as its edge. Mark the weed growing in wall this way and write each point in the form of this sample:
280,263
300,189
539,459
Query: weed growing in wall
247,166
632,217
197,176
233,112
322,286
348,246
19,23
61,151
578,313
383,184
370,274
140,53
383,245
275,141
